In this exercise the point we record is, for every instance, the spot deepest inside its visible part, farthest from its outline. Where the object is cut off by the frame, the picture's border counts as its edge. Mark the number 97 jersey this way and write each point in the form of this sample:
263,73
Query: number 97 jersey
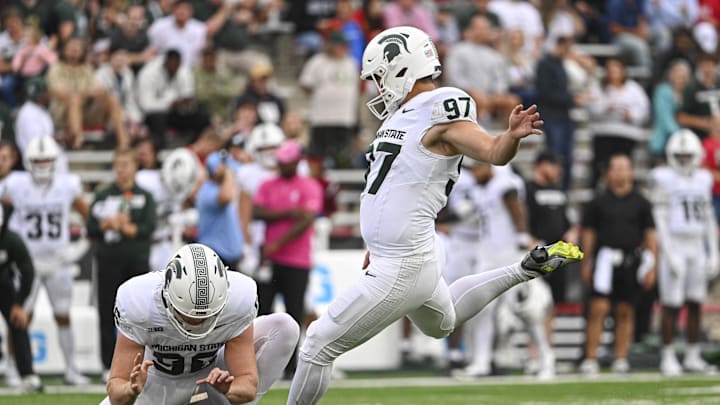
41,212
406,184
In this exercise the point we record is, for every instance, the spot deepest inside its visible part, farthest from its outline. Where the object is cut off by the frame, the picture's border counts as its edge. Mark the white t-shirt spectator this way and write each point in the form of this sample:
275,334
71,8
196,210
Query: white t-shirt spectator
157,91
335,90
519,15
33,121
122,85
164,34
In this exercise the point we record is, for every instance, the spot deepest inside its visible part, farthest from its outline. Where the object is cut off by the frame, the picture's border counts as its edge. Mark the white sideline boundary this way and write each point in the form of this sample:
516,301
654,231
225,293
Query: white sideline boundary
391,382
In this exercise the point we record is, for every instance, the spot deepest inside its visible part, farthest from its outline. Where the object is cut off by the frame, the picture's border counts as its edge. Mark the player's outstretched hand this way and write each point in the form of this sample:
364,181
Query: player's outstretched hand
220,379
138,375
524,122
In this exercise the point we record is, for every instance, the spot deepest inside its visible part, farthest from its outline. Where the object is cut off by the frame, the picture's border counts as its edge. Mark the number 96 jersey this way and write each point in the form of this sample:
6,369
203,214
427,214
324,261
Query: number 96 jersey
688,199
140,315
406,184
41,213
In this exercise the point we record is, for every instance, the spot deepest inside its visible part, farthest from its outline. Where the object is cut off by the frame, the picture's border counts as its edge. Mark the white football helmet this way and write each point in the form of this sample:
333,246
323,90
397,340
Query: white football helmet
196,286
394,60
264,140
41,157
684,151
179,172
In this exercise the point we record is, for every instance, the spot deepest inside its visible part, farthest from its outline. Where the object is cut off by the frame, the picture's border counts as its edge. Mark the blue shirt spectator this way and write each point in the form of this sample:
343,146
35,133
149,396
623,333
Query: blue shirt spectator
626,13
666,103
629,28
218,219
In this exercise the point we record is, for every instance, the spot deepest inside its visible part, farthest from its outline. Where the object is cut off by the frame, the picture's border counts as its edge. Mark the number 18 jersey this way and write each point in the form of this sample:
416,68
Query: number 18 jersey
688,199
406,184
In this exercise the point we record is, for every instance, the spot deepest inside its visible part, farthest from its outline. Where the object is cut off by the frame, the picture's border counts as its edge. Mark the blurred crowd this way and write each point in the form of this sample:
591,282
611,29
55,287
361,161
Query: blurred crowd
140,77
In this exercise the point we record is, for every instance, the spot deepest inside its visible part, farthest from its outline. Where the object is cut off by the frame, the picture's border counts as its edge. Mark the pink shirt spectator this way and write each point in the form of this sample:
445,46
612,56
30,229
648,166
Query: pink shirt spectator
32,60
278,194
417,16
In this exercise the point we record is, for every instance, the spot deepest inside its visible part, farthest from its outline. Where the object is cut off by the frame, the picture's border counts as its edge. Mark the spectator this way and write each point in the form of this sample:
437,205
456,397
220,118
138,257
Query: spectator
288,203
234,37
15,258
555,100
208,142
218,217
246,118
131,35
370,18
710,12
474,66
711,146
560,19
294,128
521,70
412,13
7,130
331,80
78,100
270,107
34,58
214,88
618,111
122,220
33,119
448,30
308,16
547,206
465,11
629,28
117,77
706,36
11,41
330,189
683,47
167,98
522,15
69,20
666,102
592,12
665,16
146,155
699,104
344,23
182,32
8,160
615,226
36,13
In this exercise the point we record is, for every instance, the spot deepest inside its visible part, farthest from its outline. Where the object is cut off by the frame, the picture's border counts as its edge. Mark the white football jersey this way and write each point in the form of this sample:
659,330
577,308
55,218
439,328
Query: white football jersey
151,181
141,316
41,213
406,184
497,229
688,199
467,227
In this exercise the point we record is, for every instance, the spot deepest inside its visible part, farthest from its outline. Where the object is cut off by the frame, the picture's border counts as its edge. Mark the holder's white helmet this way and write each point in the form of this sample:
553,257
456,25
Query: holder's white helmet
196,286
394,60
264,140
684,151
179,172
40,158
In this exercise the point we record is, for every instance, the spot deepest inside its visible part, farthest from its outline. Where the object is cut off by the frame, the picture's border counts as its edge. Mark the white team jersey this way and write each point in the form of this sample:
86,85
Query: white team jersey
688,199
467,227
407,185
141,316
41,214
497,229
151,181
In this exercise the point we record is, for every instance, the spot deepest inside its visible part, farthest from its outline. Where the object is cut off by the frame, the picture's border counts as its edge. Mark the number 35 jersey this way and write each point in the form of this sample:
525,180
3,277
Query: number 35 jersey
688,199
406,184
41,213
141,316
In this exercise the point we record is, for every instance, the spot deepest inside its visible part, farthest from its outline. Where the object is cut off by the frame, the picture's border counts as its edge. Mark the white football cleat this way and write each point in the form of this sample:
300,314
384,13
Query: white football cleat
75,378
670,366
695,364
621,366
12,378
589,367
472,371
32,383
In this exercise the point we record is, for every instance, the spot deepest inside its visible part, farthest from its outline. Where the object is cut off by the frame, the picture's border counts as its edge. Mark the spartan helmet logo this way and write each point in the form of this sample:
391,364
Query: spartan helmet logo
392,49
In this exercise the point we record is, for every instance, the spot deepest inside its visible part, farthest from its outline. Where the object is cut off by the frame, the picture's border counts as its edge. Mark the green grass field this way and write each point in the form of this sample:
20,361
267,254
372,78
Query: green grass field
642,390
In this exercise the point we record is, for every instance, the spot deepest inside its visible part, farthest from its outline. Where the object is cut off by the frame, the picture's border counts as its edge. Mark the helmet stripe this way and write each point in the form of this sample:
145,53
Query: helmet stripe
202,279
